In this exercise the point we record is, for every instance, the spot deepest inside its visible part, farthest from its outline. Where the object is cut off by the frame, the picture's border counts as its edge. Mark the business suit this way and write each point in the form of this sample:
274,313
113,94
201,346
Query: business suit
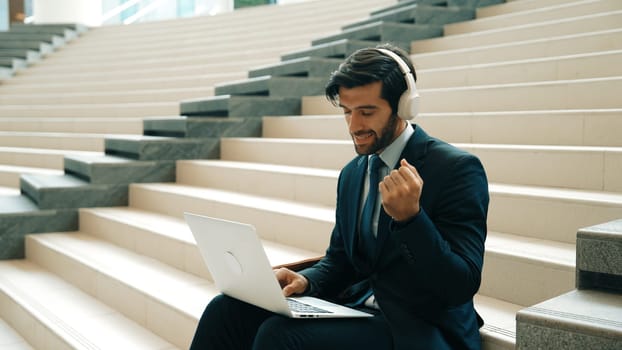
425,270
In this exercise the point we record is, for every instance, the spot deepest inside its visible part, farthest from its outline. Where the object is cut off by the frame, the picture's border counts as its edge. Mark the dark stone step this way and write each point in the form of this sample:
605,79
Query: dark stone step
38,46
106,169
43,37
13,62
295,87
577,320
19,216
399,34
420,14
156,148
599,257
202,127
67,191
25,54
299,67
240,106
338,49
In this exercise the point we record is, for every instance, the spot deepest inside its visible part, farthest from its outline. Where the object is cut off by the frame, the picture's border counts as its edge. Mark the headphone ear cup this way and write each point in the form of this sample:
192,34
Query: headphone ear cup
408,105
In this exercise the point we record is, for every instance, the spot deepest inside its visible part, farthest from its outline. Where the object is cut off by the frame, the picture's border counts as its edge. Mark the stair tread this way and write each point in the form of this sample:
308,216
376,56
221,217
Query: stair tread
83,320
183,291
290,207
521,247
177,228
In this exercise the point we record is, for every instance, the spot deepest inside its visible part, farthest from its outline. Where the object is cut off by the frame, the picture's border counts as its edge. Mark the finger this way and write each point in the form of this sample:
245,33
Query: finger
407,165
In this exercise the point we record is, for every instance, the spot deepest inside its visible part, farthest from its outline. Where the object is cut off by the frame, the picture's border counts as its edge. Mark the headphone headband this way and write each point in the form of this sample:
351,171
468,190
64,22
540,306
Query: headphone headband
408,106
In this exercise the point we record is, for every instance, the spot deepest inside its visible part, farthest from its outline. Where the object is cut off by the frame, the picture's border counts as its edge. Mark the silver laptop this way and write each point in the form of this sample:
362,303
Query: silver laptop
238,264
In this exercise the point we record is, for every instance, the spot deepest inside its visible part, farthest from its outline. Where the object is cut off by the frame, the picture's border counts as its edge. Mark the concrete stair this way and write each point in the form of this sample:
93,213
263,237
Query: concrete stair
552,156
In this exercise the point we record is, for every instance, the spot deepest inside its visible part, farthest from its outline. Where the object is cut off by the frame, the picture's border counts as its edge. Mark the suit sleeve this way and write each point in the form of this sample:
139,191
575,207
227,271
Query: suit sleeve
444,244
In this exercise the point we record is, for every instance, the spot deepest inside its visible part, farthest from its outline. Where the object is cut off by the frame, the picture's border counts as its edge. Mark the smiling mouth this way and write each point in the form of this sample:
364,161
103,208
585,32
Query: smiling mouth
363,136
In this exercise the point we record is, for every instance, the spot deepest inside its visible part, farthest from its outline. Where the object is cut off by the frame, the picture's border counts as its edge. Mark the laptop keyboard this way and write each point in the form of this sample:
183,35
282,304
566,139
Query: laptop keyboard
298,306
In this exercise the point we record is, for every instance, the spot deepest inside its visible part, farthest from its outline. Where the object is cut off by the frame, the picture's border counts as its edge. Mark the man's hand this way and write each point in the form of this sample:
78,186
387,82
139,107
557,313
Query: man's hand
290,281
400,191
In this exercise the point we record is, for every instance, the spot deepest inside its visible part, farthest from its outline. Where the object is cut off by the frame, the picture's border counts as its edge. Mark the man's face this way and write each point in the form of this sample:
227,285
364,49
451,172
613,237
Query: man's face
369,118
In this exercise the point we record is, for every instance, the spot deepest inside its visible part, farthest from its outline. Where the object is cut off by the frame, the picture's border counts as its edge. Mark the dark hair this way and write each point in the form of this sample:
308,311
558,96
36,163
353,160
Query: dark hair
366,66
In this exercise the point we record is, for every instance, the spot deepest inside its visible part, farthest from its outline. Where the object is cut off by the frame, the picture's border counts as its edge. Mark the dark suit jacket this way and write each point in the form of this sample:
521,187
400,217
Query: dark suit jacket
427,269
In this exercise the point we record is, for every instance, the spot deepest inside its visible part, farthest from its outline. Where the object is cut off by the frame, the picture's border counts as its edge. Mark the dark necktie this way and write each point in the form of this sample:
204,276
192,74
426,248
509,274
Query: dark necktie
367,216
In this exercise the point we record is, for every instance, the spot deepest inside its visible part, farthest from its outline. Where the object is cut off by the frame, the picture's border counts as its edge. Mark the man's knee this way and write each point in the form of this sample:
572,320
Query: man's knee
277,333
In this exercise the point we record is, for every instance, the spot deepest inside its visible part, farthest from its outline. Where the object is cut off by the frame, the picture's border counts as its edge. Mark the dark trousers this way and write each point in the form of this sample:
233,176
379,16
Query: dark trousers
228,323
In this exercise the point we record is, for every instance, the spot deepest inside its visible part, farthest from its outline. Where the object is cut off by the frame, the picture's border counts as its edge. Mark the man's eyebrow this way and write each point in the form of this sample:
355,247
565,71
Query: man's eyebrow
360,107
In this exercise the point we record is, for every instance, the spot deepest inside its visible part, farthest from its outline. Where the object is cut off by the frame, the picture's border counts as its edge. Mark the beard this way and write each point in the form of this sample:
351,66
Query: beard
382,141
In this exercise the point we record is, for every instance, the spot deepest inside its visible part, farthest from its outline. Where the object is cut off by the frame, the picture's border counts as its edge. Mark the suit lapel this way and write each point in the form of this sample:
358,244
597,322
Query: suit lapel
354,187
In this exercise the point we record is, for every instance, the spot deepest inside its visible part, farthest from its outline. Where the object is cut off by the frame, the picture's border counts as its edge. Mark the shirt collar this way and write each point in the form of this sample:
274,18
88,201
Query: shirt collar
391,154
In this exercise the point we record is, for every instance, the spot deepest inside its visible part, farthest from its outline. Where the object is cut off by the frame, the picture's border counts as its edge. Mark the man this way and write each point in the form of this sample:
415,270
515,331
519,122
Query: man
412,256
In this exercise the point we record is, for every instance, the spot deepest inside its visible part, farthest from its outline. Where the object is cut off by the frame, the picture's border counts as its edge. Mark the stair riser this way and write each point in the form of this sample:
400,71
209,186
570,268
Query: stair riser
575,94
583,43
69,141
297,187
557,95
34,331
180,254
562,68
85,126
555,13
575,128
132,303
515,6
98,111
97,98
523,281
520,33
271,224
538,166
49,161
546,218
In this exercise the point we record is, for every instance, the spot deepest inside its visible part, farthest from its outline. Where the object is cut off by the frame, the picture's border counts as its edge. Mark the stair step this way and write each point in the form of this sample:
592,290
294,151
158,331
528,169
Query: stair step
554,213
299,67
74,125
72,141
144,95
419,13
21,216
553,96
283,87
281,221
38,157
335,49
515,6
160,298
499,330
398,33
549,46
240,106
54,314
123,110
578,319
106,169
10,174
516,164
300,184
526,271
10,339
597,127
202,127
165,238
68,191
157,148
540,14
570,67
530,31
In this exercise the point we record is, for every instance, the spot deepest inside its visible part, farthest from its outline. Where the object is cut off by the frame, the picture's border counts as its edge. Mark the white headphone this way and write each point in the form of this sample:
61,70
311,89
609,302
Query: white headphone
408,105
